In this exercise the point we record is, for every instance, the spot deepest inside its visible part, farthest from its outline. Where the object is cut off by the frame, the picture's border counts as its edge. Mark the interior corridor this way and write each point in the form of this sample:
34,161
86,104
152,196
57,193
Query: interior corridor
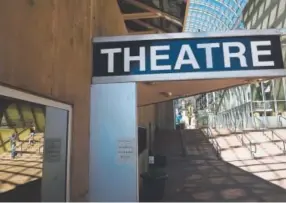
200,175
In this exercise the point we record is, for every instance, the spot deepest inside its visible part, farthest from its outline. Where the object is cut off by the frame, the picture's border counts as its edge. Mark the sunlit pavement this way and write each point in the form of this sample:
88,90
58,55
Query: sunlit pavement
269,161
26,167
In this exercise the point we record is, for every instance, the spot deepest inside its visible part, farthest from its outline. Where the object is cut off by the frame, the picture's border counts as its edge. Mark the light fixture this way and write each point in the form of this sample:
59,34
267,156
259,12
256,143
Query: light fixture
167,94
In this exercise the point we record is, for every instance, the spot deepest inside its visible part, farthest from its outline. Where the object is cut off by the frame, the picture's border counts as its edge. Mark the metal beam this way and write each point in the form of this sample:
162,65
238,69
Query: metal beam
186,14
143,15
143,32
155,11
148,26
220,101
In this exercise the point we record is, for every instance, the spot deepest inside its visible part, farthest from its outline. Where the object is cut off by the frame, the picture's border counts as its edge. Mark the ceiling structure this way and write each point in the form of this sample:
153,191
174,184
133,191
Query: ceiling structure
156,92
214,15
171,16
153,16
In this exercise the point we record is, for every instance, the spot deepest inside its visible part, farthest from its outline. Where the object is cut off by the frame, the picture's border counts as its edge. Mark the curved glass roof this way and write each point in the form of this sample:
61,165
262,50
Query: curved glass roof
214,15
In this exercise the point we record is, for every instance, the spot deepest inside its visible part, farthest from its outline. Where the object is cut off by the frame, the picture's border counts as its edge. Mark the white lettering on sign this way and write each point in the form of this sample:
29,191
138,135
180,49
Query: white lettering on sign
110,57
256,53
140,58
208,49
186,55
228,55
186,49
155,57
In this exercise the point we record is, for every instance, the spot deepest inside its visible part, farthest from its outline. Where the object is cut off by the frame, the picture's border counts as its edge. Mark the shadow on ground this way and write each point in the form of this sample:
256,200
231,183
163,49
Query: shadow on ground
202,177
29,192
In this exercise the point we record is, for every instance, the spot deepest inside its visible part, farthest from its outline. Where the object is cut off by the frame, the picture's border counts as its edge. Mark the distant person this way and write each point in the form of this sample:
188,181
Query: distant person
32,135
13,141
178,120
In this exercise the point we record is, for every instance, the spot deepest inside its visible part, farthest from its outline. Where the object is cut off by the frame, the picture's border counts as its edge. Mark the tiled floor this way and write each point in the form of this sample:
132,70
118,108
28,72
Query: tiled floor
201,176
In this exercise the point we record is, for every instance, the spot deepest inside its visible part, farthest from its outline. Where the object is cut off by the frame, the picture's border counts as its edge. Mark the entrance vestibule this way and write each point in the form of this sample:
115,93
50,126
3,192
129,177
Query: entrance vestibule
124,80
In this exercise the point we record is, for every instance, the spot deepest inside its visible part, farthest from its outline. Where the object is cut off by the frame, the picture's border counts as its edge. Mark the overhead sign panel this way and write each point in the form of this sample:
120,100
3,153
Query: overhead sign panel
141,59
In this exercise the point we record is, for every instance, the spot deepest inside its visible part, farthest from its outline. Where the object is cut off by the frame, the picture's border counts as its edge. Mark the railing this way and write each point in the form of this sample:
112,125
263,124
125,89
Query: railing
273,134
263,105
26,140
280,118
21,142
183,144
214,142
204,124
252,148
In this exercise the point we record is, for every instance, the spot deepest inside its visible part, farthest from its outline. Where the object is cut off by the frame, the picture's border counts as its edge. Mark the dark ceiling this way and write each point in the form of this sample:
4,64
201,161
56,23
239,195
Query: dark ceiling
153,16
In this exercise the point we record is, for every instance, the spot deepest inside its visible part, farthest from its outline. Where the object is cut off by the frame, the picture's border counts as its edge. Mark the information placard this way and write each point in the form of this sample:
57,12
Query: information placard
125,150
52,150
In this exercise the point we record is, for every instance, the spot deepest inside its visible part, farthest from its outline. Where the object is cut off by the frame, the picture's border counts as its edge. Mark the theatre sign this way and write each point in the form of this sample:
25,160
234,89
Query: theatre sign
186,56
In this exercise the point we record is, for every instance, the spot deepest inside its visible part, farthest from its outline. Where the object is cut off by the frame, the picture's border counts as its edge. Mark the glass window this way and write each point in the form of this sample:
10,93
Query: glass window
281,107
256,93
279,89
268,90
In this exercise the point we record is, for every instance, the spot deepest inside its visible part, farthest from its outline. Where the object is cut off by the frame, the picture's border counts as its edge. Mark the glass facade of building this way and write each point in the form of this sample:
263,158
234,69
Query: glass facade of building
256,105
253,105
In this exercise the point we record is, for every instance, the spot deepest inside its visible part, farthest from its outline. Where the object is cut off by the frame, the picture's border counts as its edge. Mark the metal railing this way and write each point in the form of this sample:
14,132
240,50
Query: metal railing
27,140
280,118
273,135
252,148
214,142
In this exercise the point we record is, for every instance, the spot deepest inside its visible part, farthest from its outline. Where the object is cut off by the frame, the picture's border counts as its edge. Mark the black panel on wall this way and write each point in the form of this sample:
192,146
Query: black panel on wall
142,139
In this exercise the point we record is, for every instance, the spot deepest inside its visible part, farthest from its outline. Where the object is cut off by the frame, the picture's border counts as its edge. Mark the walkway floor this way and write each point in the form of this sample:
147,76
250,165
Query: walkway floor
269,161
26,167
201,176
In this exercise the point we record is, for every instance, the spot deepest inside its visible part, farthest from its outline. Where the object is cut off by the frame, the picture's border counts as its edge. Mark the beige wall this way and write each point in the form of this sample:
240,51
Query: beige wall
263,14
46,49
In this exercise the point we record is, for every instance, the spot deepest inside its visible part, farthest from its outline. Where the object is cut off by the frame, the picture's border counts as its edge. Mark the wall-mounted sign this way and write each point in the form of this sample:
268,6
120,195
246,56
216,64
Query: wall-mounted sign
125,150
185,53
52,149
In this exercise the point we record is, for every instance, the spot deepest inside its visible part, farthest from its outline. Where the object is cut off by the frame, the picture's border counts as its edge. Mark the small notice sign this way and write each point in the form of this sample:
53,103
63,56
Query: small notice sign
125,150
53,150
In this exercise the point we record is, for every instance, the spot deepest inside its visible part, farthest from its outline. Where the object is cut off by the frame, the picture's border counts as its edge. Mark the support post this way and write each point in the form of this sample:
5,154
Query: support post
113,170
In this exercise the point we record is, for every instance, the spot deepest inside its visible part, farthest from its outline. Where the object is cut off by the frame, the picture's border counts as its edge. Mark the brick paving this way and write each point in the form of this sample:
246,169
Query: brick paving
201,176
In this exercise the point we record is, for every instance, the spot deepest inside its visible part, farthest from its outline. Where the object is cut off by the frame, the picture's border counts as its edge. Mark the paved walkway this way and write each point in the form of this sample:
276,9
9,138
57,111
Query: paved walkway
269,161
26,167
201,176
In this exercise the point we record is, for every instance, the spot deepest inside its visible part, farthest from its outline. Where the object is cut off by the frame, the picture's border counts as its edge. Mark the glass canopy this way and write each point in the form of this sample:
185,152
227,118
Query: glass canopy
214,15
